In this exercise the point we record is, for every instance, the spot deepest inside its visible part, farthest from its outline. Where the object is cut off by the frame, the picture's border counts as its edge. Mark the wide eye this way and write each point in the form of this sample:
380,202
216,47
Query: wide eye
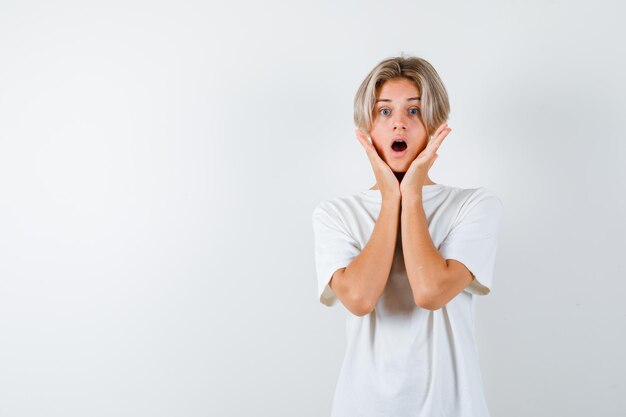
384,109
414,110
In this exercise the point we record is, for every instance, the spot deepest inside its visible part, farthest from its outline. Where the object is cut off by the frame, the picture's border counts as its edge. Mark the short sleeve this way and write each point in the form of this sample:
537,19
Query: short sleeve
473,239
334,248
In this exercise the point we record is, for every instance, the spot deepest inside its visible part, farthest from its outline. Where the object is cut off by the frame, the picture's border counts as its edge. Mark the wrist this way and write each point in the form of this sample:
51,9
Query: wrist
411,199
392,200
392,196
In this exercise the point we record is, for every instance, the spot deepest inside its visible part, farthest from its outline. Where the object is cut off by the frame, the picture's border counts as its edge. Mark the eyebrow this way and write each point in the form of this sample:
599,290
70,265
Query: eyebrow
408,99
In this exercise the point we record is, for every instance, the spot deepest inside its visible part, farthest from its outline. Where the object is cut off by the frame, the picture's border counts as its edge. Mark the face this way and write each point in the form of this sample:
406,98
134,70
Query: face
397,116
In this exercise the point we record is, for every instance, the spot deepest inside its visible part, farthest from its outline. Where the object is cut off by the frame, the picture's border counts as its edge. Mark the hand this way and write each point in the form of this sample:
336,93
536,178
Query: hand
385,178
415,176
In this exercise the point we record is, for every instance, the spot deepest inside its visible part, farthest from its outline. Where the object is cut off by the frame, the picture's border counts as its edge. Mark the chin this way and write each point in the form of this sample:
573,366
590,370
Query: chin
400,168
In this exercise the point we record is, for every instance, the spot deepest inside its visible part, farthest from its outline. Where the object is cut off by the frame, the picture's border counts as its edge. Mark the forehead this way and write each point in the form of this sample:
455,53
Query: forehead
397,89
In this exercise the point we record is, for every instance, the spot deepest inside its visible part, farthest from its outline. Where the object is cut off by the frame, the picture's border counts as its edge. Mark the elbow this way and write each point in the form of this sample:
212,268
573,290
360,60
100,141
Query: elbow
426,302
428,305
359,304
360,312
361,307
355,302
429,296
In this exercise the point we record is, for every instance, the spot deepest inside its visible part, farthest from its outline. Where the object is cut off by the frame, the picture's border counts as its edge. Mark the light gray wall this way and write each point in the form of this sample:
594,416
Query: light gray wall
160,161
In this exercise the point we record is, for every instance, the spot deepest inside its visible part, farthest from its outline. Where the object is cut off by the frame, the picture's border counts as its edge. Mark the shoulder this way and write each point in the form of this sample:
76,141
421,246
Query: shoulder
327,207
481,197
330,214
474,205
340,206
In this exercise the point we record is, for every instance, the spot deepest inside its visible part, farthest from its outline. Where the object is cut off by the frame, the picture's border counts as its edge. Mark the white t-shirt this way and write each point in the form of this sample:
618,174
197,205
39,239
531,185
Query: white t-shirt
402,360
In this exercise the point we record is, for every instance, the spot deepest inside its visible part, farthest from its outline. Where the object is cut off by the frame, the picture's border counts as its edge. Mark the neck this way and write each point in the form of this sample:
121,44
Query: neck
399,175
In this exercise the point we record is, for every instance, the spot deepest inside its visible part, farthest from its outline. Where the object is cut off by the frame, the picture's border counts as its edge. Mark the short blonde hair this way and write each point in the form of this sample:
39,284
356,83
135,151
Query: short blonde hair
434,104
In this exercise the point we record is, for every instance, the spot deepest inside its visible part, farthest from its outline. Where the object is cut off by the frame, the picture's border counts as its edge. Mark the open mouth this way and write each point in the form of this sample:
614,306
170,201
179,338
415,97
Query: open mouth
399,145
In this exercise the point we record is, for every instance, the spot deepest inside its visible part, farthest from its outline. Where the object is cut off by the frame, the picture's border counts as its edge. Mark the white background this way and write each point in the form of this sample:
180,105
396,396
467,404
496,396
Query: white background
160,161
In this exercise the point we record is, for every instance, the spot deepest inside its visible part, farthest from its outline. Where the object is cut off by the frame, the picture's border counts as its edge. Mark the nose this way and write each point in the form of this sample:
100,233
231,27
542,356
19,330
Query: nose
399,123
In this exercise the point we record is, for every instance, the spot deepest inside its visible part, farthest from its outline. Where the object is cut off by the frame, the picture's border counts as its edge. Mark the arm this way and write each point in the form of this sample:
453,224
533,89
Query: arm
361,283
434,280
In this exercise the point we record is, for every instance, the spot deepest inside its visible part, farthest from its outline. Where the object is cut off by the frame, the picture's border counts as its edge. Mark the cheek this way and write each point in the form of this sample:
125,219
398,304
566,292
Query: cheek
379,148
419,126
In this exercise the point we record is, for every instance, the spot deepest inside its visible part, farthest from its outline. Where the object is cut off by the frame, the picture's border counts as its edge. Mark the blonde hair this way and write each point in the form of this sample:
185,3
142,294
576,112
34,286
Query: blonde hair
434,107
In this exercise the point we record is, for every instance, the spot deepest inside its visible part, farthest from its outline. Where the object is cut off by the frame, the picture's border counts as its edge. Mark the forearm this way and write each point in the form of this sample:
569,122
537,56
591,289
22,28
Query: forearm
424,264
366,276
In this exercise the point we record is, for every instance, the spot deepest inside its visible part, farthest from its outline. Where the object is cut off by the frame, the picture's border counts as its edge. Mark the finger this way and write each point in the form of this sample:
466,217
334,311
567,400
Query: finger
359,135
442,135
436,142
371,151
432,161
443,128
440,128
364,142
368,143
435,137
